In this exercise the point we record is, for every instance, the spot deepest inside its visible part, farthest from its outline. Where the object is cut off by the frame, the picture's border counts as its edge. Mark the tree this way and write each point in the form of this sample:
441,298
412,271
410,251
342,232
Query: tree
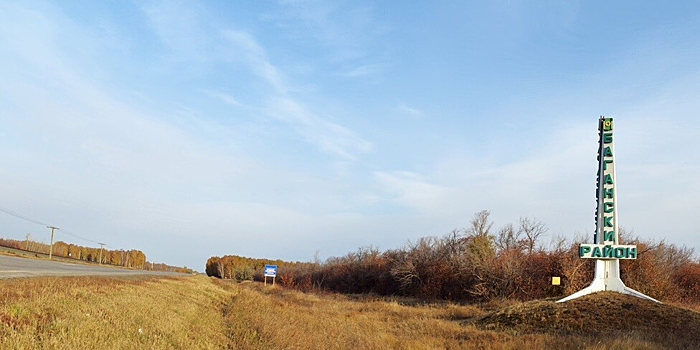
480,224
480,256
508,238
532,229
212,267
28,240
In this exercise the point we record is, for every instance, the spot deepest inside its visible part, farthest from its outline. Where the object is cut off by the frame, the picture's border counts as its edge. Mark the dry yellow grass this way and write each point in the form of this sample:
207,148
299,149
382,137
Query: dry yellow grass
275,318
202,313
111,313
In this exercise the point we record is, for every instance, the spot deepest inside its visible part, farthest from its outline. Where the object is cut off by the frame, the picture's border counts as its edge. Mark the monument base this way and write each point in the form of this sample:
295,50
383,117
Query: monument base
607,278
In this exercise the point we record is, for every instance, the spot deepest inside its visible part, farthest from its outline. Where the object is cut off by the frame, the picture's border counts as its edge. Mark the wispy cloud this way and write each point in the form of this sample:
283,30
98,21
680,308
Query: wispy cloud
331,137
254,55
88,159
224,97
361,71
540,182
182,28
235,46
347,28
412,190
350,31
405,109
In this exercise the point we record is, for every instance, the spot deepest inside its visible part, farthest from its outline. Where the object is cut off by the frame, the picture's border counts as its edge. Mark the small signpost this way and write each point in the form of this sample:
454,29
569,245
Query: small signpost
270,271
606,248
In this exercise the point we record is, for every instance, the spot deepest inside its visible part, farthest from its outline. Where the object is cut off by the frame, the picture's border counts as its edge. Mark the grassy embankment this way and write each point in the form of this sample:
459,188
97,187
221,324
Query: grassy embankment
35,255
201,313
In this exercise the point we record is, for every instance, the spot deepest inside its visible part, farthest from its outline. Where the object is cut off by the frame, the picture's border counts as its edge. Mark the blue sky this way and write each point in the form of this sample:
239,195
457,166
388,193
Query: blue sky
281,128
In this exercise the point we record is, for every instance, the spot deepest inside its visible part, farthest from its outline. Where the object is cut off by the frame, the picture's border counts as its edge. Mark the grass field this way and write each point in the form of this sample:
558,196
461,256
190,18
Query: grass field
197,312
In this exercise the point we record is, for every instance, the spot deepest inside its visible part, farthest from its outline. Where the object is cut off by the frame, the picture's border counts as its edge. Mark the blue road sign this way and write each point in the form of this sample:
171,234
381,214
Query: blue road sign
270,270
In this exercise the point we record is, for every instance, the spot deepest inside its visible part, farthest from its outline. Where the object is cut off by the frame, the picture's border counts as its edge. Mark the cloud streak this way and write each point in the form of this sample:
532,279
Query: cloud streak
225,98
405,109
329,136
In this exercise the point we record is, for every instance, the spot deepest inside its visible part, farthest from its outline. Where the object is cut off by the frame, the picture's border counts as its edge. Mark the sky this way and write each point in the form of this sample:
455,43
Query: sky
295,129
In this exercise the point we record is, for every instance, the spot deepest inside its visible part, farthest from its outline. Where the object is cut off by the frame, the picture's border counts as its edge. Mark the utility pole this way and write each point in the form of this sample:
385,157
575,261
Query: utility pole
51,246
102,245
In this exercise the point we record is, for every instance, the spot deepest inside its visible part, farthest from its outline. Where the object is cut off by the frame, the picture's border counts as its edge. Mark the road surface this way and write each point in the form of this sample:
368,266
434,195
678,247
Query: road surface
11,267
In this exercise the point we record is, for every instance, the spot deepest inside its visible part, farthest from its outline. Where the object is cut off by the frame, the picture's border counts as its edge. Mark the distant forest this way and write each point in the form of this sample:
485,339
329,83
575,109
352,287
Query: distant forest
126,258
479,264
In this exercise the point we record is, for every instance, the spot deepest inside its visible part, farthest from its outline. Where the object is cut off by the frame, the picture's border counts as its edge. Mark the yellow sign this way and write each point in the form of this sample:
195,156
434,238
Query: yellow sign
556,281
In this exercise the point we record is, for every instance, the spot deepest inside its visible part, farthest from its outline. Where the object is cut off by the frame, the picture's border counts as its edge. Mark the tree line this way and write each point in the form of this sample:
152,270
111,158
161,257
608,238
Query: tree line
480,263
241,268
132,258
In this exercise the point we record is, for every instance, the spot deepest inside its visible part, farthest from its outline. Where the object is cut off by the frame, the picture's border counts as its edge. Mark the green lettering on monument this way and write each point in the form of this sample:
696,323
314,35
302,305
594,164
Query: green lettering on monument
596,252
607,137
606,162
619,252
608,221
607,152
608,179
608,192
608,207
607,251
583,250
633,252
609,236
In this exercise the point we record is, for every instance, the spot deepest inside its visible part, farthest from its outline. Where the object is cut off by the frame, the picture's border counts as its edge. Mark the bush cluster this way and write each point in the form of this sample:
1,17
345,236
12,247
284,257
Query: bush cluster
477,264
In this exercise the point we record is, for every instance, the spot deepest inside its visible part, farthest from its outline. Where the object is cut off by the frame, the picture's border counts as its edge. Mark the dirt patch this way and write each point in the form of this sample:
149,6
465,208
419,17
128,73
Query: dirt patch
601,315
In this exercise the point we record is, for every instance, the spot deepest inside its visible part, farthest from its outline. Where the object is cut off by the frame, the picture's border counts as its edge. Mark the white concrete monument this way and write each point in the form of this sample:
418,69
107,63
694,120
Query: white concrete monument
606,248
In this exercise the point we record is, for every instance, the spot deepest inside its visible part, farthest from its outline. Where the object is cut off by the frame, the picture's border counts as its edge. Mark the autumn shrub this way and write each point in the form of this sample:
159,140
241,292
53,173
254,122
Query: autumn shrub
363,271
655,271
687,278
243,273
476,265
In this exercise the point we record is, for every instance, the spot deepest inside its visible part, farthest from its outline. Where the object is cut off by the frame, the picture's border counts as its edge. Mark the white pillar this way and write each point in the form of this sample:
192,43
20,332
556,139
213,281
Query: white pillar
606,271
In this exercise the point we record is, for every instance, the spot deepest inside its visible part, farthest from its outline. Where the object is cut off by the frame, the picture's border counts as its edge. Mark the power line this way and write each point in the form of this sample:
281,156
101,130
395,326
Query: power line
23,217
76,236
34,221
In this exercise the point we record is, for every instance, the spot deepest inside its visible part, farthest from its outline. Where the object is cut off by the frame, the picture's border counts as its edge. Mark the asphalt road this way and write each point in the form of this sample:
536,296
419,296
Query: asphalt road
11,267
